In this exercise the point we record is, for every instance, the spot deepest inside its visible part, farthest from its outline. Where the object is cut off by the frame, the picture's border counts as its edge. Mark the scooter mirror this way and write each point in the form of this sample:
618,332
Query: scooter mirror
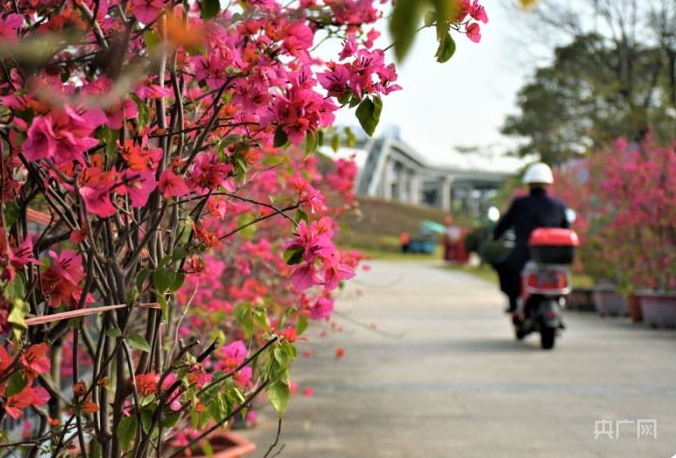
493,214
571,215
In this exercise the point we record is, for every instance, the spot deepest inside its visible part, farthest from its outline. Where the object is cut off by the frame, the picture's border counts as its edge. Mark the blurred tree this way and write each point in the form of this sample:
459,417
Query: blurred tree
615,77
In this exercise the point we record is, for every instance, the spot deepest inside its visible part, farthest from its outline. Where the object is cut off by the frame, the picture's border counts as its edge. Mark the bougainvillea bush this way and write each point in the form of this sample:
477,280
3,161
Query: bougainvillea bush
164,233
625,199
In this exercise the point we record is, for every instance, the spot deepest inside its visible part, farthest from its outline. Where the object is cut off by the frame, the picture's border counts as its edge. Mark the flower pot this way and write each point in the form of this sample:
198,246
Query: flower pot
658,308
581,299
634,308
608,301
227,444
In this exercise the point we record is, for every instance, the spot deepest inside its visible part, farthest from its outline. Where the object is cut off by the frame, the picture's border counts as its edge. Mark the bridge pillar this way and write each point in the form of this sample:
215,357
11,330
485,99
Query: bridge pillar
387,179
414,188
446,194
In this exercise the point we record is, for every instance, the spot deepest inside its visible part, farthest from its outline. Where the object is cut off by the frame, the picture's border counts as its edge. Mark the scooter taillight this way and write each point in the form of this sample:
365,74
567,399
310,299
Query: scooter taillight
548,280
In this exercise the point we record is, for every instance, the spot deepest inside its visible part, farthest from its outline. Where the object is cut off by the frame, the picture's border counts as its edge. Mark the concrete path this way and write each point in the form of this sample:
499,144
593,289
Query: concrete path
448,380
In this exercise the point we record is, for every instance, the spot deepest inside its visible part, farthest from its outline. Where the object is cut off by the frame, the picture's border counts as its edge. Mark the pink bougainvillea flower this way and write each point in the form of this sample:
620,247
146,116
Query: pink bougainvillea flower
198,377
23,254
233,355
41,141
335,80
172,185
478,12
305,277
35,361
243,377
60,280
322,309
146,11
350,47
9,27
138,186
97,199
336,272
29,396
473,32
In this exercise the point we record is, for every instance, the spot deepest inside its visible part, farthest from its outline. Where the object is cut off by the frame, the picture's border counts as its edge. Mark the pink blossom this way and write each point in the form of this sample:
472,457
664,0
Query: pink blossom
97,199
233,354
146,11
23,254
322,309
243,377
9,27
473,31
304,277
138,185
172,185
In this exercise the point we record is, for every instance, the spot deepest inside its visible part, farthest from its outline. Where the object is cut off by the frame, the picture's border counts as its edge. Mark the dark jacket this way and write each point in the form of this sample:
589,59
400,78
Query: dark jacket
529,213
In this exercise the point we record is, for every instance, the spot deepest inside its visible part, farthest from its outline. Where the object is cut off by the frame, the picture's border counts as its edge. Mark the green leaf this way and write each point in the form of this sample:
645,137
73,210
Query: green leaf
170,420
446,49
301,215
278,394
368,114
335,143
302,325
280,138
260,316
210,8
164,278
126,431
113,333
179,278
430,18
139,342
244,317
250,230
403,25
186,231
350,137
17,317
310,142
447,11
294,256
320,137
152,39
12,212
207,449
143,114
241,166
141,278
16,289
16,384
147,418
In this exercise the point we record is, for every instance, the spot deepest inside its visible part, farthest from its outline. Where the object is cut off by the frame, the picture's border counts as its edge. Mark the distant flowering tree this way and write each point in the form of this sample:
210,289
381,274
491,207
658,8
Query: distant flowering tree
165,235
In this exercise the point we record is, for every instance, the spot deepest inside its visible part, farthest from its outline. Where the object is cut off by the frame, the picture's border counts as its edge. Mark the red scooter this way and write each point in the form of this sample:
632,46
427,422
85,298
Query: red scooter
545,284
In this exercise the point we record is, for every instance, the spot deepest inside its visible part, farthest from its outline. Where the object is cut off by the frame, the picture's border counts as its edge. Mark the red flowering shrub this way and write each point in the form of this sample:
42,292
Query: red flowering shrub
626,201
161,206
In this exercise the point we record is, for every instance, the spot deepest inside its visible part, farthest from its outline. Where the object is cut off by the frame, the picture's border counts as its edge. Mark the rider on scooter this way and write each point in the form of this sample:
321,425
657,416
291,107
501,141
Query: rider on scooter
524,216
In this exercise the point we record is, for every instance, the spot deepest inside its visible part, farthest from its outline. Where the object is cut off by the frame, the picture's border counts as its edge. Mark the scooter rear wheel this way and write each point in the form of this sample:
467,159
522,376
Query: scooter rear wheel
547,337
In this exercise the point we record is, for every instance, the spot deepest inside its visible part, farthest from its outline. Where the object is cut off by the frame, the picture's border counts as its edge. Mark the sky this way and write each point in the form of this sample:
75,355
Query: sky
463,102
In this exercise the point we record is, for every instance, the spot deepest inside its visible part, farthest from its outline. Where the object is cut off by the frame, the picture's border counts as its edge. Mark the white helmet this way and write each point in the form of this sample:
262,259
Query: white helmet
538,173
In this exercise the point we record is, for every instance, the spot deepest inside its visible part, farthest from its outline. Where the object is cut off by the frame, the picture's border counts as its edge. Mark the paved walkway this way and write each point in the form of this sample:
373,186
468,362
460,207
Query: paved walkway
454,383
